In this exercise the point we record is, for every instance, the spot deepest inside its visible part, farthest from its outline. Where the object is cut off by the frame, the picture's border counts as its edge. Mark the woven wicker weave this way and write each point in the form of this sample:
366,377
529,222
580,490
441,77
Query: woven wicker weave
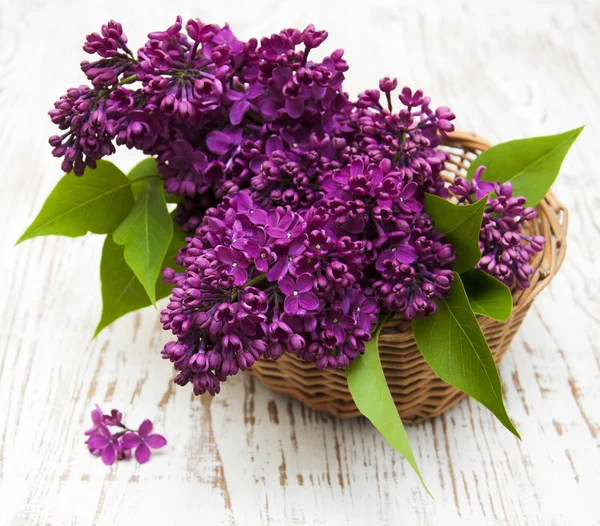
417,392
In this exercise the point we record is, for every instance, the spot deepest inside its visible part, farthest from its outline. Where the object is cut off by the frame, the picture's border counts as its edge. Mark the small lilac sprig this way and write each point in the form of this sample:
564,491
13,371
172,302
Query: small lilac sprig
118,446
506,251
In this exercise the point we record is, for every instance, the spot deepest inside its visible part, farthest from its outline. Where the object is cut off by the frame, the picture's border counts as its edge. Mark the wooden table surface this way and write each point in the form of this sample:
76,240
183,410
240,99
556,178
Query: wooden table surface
250,456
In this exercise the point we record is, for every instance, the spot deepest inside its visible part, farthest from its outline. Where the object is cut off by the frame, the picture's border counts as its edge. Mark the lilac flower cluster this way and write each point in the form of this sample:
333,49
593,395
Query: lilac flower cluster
304,209
408,138
102,442
202,99
260,282
506,250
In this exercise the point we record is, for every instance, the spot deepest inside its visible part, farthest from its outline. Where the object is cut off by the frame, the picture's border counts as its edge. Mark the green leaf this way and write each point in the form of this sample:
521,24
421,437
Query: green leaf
177,242
95,202
453,345
487,295
372,396
140,174
146,233
531,165
170,198
122,292
461,224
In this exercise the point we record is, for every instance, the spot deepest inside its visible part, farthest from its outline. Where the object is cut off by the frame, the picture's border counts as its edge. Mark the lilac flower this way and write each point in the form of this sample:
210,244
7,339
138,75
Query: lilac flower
298,293
97,420
338,323
303,208
387,85
221,142
234,262
246,206
117,446
405,200
463,188
410,283
410,136
143,441
482,188
402,253
262,256
243,101
190,164
105,443
284,227
325,315
287,260
108,44
365,309
506,251
114,419
89,132
312,38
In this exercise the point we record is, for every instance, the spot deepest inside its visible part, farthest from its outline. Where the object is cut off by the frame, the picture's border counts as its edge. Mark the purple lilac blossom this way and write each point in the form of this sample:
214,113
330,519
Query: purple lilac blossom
506,250
303,209
204,103
143,441
113,446
104,444
325,315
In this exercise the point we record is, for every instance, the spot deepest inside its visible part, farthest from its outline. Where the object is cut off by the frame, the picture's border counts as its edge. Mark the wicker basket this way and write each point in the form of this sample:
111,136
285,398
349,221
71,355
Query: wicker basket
417,392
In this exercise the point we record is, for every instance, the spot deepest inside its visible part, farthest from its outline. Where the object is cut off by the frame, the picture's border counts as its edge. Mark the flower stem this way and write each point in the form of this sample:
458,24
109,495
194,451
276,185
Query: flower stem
305,56
249,283
128,80
255,279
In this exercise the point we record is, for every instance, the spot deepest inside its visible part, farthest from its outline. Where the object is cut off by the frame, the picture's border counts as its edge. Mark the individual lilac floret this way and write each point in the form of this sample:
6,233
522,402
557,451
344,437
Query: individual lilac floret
298,293
106,445
99,419
143,441
506,251
111,446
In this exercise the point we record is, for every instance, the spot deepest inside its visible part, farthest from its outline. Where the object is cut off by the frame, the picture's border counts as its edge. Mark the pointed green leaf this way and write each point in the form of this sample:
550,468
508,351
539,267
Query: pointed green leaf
140,174
170,198
122,292
453,345
177,242
461,224
531,165
146,233
95,202
487,295
372,396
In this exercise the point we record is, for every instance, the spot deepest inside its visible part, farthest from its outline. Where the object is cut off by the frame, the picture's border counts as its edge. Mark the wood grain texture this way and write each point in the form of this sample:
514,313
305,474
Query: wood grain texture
250,456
